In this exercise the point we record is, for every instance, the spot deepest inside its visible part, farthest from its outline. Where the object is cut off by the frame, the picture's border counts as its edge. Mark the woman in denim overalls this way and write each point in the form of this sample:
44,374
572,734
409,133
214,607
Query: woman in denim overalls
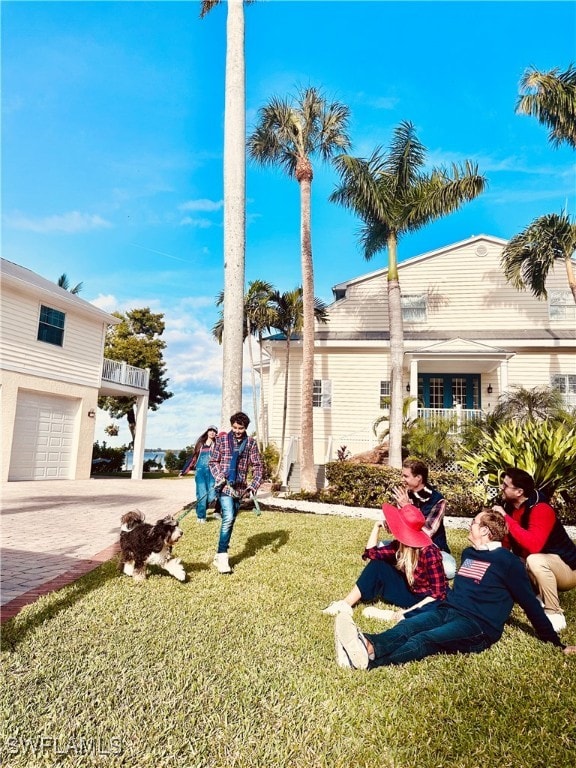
205,492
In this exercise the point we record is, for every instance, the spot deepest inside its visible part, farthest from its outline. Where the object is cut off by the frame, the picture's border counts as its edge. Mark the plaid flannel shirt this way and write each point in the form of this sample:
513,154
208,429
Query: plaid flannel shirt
429,576
219,464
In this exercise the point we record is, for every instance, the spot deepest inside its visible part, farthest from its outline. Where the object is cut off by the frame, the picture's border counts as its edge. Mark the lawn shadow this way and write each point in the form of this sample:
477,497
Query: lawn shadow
272,539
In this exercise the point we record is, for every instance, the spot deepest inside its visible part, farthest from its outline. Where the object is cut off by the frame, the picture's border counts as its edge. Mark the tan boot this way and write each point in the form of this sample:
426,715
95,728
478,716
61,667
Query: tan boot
221,562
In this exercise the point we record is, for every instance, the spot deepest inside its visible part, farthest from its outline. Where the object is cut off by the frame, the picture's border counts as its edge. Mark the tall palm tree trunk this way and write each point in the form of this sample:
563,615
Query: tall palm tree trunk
285,407
396,355
253,379
234,211
263,414
570,275
307,474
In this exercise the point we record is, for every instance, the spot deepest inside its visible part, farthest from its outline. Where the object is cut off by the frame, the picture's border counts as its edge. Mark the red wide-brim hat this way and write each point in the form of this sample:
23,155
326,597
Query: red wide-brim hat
406,525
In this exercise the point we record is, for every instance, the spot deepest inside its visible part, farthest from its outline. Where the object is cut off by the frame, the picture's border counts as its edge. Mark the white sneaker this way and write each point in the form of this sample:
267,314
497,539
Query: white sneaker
557,620
336,607
221,562
378,613
200,519
351,645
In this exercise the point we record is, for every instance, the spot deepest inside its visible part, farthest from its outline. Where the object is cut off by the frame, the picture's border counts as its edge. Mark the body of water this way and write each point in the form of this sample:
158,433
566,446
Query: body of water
149,455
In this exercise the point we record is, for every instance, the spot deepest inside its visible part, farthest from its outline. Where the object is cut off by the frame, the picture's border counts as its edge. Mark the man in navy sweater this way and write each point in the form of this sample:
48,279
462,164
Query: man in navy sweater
471,618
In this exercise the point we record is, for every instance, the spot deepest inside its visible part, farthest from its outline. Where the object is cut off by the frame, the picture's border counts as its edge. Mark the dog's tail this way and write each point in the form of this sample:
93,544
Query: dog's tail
131,519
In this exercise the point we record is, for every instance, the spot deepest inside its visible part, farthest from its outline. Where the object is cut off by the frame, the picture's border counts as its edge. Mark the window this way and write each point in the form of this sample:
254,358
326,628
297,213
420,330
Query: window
384,394
414,308
561,305
51,326
566,384
322,393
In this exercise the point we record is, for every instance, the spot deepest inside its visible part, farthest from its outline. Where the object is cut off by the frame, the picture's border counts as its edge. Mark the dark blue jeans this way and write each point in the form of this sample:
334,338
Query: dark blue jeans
440,629
381,580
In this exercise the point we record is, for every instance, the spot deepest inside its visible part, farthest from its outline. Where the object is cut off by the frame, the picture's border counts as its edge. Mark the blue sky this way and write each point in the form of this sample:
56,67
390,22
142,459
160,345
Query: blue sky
112,126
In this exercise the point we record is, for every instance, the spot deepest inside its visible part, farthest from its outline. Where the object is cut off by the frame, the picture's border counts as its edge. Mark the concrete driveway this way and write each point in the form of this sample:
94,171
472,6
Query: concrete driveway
54,531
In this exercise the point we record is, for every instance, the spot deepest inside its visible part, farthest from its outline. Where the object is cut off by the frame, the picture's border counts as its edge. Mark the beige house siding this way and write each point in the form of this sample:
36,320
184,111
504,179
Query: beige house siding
477,328
462,288
78,360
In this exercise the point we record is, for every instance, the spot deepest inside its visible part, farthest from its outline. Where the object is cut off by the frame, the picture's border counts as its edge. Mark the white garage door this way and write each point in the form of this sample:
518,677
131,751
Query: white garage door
44,437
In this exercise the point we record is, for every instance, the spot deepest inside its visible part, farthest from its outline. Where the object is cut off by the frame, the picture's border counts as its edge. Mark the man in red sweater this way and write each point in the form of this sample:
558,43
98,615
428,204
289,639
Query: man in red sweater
539,538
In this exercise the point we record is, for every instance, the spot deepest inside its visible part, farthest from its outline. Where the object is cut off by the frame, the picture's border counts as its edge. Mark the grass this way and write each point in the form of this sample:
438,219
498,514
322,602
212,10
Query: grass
239,671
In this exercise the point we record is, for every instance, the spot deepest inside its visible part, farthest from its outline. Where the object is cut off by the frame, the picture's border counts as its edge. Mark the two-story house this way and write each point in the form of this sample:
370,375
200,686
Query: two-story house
52,372
469,337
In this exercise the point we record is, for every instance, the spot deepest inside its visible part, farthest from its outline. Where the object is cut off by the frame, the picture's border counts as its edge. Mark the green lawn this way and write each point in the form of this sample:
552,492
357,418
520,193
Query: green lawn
239,671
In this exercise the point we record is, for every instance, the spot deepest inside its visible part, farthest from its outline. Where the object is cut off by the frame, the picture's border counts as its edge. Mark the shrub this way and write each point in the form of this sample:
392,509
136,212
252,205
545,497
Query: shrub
270,457
368,485
543,449
111,459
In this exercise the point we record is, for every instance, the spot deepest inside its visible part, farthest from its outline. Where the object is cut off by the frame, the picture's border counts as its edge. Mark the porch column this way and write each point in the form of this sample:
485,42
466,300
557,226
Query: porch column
141,408
503,376
413,411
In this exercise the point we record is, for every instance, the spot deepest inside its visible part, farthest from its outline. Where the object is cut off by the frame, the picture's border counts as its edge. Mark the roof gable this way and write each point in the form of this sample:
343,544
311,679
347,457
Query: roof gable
29,282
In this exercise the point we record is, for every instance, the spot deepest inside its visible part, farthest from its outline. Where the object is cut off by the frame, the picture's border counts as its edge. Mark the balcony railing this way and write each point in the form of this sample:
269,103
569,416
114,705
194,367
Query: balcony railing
122,373
460,416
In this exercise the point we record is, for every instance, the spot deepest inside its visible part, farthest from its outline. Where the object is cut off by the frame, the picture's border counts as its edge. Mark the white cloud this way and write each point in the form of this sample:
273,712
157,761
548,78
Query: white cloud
71,222
188,221
201,204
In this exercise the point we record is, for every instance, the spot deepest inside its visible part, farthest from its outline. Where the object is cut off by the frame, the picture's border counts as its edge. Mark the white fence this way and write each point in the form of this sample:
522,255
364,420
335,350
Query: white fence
122,373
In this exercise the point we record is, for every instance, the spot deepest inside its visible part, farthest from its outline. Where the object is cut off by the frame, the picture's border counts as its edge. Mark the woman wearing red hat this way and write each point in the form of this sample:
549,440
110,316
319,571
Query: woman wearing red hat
406,572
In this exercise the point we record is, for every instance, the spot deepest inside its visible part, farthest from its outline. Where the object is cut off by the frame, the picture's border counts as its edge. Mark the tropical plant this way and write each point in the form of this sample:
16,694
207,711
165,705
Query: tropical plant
527,404
136,341
550,97
434,441
393,195
288,318
407,420
288,134
529,257
63,282
234,204
545,450
258,315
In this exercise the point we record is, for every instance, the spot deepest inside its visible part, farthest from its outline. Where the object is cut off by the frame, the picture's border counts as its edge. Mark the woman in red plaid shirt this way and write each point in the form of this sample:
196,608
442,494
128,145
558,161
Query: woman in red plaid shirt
407,572
232,456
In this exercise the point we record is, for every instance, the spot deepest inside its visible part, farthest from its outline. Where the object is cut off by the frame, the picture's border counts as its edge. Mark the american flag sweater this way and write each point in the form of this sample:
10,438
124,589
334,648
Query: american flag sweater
487,585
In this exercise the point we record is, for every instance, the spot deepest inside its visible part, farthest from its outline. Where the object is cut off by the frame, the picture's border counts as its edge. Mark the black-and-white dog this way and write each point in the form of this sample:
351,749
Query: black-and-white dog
143,544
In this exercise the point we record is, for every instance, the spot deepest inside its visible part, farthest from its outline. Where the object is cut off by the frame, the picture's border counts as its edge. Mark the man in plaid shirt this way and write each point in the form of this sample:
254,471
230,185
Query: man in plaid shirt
232,456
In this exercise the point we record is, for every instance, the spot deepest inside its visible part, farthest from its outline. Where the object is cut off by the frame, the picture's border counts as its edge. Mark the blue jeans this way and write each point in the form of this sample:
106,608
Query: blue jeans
441,629
229,508
380,579
205,492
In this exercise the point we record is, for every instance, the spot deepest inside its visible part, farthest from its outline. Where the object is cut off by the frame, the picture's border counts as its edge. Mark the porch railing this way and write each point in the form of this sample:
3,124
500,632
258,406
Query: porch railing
460,416
122,373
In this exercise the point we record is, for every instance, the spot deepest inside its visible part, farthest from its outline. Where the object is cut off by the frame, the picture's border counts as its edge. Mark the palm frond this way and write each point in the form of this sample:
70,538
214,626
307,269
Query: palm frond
551,99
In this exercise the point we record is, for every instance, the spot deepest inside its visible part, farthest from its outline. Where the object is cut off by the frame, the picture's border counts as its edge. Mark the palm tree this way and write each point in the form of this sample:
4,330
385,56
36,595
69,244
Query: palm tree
289,133
234,204
551,99
528,257
258,316
63,282
288,318
393,195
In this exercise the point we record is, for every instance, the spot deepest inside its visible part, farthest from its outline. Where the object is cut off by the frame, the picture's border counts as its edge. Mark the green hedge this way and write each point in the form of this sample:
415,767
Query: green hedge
368,485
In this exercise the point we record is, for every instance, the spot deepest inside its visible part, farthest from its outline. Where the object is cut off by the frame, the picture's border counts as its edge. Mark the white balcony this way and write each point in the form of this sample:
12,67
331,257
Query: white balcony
115,372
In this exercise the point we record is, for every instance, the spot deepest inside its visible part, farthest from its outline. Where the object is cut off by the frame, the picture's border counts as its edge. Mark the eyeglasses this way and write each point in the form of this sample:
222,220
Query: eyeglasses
504,484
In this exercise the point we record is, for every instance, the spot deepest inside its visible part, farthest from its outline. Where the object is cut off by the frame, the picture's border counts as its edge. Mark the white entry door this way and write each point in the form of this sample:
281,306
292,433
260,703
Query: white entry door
44,437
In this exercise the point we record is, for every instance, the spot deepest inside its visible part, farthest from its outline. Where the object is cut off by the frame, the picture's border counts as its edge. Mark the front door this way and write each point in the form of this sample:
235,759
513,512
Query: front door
448,390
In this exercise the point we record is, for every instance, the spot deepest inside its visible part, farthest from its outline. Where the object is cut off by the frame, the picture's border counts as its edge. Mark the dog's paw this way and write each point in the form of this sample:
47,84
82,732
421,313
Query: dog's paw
128,569
176,569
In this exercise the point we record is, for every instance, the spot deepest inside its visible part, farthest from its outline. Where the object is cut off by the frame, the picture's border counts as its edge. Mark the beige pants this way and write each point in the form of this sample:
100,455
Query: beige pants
549,573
